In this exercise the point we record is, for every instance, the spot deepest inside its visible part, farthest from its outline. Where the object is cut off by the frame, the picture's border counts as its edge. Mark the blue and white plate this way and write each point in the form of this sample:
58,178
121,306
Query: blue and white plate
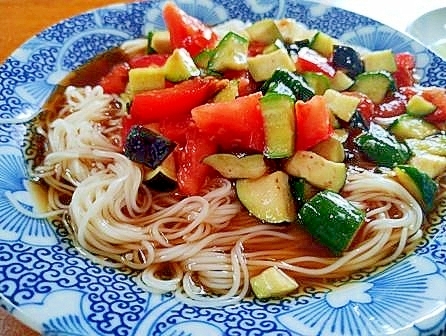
50,286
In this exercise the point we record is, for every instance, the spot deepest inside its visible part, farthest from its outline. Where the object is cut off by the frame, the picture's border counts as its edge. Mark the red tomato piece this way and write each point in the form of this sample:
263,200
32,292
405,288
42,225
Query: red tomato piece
310,60
116,80
436,96
187,31
236,124
312,122
172,102
404,75
176,129
191,172
143,61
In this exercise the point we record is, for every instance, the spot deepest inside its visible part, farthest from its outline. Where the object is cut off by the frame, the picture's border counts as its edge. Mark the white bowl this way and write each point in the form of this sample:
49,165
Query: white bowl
430,30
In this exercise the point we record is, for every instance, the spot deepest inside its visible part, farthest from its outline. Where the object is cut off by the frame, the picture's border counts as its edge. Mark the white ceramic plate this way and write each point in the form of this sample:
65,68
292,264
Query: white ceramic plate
430,29
49,285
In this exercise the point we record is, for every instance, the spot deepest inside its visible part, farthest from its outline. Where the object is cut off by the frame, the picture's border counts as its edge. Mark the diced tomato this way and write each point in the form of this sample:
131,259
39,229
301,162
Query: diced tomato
312,122
191,172
235,124
176,129
116,80
246,84
436,96
172,102
187,31
255,48
143,61
310,60
404,75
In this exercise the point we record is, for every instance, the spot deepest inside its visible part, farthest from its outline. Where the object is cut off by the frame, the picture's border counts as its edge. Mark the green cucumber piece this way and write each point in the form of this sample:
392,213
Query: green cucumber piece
434,144
158,42
264,32
431,164
318,81
341,105
231,53
332,220
180,66
262,66
232,166
322,43
374,84
410,127
301,190
341,81
295,82
382,147
420,185
272,283
317,170
268,197
332,149
417,106
279,125
380,60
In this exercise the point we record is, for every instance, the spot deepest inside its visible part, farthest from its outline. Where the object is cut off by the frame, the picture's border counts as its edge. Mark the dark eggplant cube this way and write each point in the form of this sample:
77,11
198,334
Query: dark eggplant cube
347,59
147,147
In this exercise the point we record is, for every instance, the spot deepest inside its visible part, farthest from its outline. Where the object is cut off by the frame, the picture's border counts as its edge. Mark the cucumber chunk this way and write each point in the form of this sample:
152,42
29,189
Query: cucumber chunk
374,84
431,164
409,127
341,105
382,147
341,81
434,144
322,43
318,81
264,32
268,197
279,125
332,220
144,79
231,53
380,60
232,166
272,283
180,66
159,42
417,106
420,185
332,149
261,67
295,82
317,170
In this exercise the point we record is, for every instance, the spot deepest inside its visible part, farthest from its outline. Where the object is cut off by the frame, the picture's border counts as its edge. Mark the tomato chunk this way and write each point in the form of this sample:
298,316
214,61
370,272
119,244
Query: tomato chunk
142,61
172,102
192,174
235,124
187,31
405,64
312,122
116,80
436,96
310,60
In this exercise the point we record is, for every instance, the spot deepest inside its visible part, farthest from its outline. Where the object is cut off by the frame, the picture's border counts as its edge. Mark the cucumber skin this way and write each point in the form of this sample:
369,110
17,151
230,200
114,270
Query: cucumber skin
331,219
427,188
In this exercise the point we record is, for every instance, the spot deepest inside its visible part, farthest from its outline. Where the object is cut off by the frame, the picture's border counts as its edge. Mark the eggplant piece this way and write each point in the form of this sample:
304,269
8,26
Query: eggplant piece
145,146
348,60
163,177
